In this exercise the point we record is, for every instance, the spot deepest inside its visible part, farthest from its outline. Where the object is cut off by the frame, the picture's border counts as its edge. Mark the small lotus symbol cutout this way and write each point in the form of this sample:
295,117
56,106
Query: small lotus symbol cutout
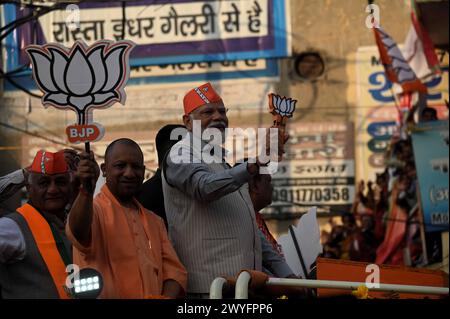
285,107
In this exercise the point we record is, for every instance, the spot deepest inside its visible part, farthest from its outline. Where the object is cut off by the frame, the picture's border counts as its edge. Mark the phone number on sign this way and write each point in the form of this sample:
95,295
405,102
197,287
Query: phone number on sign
313,194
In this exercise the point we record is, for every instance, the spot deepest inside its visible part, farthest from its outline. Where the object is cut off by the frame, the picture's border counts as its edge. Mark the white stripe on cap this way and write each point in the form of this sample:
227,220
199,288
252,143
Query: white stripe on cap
202,96
43,163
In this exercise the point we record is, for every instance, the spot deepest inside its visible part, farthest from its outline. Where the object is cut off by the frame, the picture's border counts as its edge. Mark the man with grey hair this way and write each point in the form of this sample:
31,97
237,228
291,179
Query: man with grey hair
34,250
12,183
209,210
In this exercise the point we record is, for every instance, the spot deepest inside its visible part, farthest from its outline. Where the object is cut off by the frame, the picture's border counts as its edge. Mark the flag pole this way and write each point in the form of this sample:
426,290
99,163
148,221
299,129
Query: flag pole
87,184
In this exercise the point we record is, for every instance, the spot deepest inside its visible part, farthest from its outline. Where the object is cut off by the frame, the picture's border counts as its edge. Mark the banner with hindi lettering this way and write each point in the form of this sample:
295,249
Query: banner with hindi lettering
430,142
166,32
260,70
318,169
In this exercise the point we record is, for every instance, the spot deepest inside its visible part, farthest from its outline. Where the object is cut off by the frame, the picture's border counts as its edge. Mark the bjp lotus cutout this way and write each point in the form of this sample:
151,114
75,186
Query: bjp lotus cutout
281,108
82,79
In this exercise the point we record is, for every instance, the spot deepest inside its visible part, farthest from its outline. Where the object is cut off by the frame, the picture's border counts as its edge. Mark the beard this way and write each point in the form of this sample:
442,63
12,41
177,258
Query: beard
214,134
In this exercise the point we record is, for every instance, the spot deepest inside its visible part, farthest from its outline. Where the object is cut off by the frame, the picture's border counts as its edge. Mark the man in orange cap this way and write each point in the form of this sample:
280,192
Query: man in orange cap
12,183
209,210
34,250
204,105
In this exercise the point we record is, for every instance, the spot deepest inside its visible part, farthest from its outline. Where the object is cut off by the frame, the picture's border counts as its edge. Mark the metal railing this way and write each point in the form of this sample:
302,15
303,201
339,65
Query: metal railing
243,280
216,289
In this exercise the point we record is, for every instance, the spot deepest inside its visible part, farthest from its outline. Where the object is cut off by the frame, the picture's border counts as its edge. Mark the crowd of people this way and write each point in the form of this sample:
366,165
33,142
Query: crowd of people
211,211
384,225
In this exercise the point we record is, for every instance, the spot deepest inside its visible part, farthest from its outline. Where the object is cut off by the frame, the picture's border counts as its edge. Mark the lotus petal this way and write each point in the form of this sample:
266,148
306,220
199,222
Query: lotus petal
41,65
283,106
59,66
289,106
98,65
59,98
293,103
80,102
79,79
114,68
275,101
102,98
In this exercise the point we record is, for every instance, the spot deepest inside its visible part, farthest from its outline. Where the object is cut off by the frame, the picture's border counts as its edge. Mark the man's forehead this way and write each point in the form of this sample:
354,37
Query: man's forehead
122,151
211,106
48,176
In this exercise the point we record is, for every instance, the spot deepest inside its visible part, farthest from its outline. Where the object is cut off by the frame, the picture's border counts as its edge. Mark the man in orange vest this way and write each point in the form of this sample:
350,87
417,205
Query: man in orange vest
34,250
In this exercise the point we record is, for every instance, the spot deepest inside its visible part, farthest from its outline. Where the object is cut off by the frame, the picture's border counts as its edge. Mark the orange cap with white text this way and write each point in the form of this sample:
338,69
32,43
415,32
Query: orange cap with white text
49,163
200,96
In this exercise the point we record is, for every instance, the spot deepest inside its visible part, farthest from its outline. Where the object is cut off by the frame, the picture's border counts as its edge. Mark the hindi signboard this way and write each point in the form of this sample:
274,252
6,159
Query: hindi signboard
257,70
430,142
317,170
175,31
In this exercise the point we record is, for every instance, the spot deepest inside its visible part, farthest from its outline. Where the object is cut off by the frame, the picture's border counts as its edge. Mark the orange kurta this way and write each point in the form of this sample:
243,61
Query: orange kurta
130,248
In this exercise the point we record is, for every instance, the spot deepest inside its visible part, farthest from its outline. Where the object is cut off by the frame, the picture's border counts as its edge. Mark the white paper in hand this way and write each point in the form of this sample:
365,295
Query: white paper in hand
307,233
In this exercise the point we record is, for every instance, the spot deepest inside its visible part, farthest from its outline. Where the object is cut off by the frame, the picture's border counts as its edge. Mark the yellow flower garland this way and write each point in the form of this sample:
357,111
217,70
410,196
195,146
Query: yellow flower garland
362,292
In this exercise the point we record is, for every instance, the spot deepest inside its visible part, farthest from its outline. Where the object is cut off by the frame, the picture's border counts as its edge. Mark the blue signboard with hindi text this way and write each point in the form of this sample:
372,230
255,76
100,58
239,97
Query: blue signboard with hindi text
430,142
165,32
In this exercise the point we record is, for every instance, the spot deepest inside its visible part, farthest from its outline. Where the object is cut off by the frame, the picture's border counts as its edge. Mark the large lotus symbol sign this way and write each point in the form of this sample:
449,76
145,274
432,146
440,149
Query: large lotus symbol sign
81,78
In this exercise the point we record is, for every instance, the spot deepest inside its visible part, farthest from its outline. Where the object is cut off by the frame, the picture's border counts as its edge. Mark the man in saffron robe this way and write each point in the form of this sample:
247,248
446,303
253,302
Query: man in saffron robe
116,235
